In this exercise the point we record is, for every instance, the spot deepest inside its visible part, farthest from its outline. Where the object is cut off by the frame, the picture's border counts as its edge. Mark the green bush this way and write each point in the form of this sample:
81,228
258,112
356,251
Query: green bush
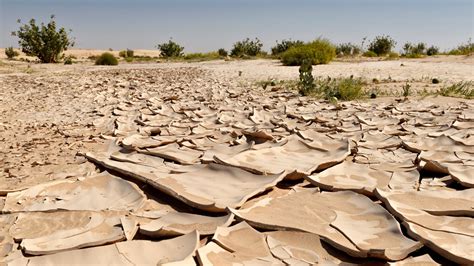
345,89
170,49
106,59
222,52
393,55
306,84
11,53
369,54
345,49
432,50
126,53
382,45
282,47
44,41
319,51
414,50
247,47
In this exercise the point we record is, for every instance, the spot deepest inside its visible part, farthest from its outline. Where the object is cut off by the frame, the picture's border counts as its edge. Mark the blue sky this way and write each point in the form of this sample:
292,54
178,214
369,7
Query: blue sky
211,24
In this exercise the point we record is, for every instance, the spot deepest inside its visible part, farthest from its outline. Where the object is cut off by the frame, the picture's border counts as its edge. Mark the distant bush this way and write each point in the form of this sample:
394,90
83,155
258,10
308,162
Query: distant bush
282,47
393,55
43,41
414,50
126,53
346,49
432,50
106,59
170,49
247,47
319,51
11,53
222,52
463,49
202,56
369,54
382,45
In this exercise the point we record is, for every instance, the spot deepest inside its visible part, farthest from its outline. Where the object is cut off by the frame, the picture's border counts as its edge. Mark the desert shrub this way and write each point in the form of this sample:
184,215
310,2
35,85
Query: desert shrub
306,84
406,90
463,49
11,53
247,47
393,55
43,41
202,56
106,59
319,51
126,53
414,50
345,89
369,54
345,49
282,47
382,45
463,89
432,50
222,52
170,49
123,53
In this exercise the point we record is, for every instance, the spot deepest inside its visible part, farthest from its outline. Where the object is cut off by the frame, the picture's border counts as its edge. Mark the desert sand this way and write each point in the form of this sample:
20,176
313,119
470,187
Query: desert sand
194,163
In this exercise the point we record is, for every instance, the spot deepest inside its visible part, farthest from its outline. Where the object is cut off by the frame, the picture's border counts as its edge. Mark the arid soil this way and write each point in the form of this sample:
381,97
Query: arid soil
216,169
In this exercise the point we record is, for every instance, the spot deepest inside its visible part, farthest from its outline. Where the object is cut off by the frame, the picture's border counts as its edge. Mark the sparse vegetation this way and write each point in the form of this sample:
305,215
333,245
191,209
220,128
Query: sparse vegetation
11,53
382,45
319,51
43,41
463,49
406,90
432,50
306,84
369,54
222,52
282,47
464,89
106,59
393,55
414,50
247,47
345,89
68,60
170,49
126,53
202,56
348,49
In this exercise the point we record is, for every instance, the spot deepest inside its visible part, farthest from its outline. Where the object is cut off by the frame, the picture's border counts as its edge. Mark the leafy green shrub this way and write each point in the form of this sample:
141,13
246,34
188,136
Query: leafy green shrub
43,41
11,53
461,89
382,45
170,49
345,49
247,47
369,54
106,59
306,84
432,50
345,89
319,51
222,52
282,47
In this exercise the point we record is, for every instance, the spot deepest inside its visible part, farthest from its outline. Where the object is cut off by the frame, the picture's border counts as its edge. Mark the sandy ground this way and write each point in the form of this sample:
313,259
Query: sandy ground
51,114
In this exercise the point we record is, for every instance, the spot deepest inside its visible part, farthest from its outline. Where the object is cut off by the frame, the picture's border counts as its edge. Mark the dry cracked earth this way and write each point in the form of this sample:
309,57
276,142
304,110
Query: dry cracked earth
184,165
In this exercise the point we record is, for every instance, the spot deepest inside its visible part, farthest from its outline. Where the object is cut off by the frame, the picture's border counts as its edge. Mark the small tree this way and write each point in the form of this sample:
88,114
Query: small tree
10,52
170,49
247,47
222,52
43,41
432,50
382,45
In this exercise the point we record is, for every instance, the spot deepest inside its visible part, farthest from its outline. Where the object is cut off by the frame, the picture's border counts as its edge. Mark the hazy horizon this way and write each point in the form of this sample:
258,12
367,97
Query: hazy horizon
207,25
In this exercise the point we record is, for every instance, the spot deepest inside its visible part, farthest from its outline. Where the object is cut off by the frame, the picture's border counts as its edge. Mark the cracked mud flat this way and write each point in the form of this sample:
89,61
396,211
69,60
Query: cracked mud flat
189,164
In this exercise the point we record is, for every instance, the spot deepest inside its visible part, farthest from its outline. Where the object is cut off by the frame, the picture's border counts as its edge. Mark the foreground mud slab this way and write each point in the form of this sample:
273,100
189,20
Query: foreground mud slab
194,165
